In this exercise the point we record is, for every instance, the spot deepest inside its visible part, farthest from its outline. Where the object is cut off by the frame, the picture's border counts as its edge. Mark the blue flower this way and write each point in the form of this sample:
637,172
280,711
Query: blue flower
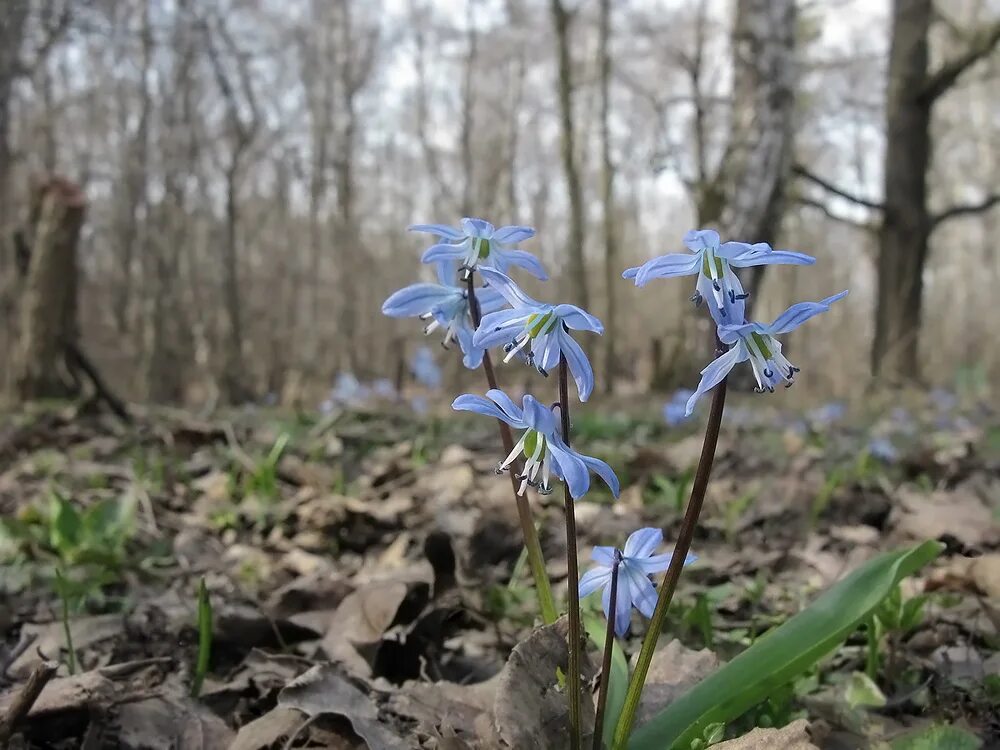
636,563
675,410
883,449
479,245
425,369
445,305
828,413
714,263
544,451
538,331
347,391
756,342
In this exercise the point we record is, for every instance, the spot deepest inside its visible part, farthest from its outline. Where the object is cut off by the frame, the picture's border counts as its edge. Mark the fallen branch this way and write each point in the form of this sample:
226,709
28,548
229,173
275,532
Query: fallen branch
76,360
26,698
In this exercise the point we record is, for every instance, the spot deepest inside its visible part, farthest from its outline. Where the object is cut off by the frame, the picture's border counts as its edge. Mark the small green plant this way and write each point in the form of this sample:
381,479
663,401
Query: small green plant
734,511
888,624
672,493
262,481
204,639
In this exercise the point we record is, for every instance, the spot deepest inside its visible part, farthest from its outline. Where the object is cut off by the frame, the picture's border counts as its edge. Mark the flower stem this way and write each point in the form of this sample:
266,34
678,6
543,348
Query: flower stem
683,546
536,560
609,647
572,574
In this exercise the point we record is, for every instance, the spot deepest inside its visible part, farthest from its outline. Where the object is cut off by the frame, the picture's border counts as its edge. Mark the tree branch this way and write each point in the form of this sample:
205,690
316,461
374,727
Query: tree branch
831,188
966,209
804,201
945,76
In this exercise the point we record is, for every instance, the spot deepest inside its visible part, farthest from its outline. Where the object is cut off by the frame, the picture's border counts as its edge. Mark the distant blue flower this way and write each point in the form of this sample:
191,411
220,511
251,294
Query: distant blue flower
479,245
636,563
883,449
675,410
943,399
383,388
419,405
756,342
425,369
544,450
539,331
714,263
445,305
347,391
828,413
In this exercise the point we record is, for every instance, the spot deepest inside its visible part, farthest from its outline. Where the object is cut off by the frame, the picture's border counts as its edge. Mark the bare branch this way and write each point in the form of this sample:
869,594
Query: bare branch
804,201
831,188
965,209
944,77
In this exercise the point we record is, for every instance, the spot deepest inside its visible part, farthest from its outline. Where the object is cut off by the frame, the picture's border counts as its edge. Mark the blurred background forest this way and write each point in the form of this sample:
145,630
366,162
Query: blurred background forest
249,167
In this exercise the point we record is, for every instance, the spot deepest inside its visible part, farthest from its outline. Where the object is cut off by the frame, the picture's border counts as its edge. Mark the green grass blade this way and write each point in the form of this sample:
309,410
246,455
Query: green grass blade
204,639
783,653
617,683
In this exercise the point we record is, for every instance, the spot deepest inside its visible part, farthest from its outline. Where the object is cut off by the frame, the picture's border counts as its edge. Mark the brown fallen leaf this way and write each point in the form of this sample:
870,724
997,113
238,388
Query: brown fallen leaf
362,618
169,723
50,639
791,737
673,670
979,575
266,730
529,711
437,706
958,513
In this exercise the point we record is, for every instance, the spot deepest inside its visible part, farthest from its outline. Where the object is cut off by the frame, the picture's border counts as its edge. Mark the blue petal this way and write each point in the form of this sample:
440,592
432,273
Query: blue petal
630,273
799,313
667,266
730,250
643,593
712,375
522,259
701,239
578,363
417,299
651,565
567,466
512,234
441,230
761,254
545,350
506,403
473,354
447,271
538,416
490,300
499,327
481,405
444,251
577,319
593,579
477,228
505,286
624,601
603,555
604,471
642,542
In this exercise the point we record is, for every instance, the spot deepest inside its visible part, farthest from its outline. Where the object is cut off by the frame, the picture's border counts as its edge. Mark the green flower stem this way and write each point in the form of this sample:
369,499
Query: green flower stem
609,647
574,636
680,553
536,560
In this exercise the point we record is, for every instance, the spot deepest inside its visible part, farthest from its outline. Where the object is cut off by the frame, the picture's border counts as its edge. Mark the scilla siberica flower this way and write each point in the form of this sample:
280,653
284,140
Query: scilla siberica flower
636,563
544,450
756,342
538,331
479,245
714,263
445,305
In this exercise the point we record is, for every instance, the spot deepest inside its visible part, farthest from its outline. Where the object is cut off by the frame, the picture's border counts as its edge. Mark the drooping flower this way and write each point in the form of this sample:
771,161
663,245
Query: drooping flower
478,244
714,263
756,342
542,445
445,305
675,410
539,331
636,563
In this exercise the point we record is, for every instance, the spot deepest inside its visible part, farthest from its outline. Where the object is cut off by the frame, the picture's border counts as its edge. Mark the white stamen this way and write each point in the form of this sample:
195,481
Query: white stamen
517,348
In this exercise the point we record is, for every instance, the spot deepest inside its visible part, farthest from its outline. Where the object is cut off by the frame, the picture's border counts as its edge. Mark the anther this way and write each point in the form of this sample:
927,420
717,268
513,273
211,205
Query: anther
697,298
715,285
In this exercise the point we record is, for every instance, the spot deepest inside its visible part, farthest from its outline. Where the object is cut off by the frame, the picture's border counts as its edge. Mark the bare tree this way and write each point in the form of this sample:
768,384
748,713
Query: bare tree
611,262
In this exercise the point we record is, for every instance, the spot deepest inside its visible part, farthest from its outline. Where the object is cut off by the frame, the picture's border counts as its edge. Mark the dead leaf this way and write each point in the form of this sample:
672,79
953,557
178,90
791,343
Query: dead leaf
51,639
980,575
436,706
791,737
162,723
673,670
322,690
957,513
530,710
265,731
362,618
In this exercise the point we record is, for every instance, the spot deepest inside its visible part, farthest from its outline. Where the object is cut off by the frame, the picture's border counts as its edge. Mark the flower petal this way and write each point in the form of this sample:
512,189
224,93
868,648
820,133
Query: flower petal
604,471
577,319
480,405
667,266
603,555
593,579
624,601
512,234
441,230
417,299
537,415
473,355
499,327
653,564
643,542
477,228
504,285
799,313
489,299
713,374
701,239
506,403
643,593
521,258
578,364
444,251
761,254
567,466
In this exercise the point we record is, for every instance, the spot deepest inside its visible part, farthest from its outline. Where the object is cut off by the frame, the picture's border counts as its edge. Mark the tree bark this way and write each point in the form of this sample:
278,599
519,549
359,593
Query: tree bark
577,265
48,305
611,262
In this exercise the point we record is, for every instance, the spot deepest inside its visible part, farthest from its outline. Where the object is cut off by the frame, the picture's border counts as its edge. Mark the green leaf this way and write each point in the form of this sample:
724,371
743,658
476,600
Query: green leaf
64,533
617,682
783,653
937,737
861,691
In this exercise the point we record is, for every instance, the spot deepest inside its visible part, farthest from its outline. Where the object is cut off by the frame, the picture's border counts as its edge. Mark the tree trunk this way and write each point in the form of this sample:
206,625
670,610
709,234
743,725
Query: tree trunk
233,373
577,266
905,232
48,305
611,263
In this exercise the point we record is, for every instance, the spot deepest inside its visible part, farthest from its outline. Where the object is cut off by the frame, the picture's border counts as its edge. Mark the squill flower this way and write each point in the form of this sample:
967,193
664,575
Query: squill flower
479,245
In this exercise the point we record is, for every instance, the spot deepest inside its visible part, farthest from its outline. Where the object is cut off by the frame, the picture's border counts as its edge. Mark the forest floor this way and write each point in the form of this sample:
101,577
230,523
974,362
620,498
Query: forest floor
377,553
